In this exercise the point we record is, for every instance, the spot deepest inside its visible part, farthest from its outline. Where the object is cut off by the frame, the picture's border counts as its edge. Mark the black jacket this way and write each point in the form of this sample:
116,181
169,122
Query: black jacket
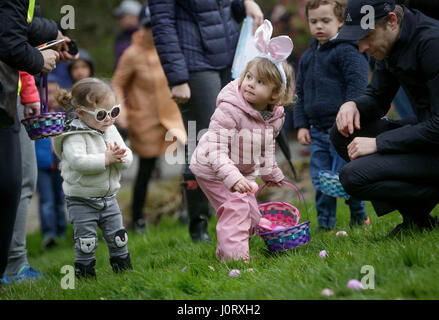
15,33
427,7
412,63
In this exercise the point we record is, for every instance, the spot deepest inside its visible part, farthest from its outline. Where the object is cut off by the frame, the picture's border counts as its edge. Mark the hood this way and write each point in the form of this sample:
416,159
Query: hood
72,126
83,55
231,94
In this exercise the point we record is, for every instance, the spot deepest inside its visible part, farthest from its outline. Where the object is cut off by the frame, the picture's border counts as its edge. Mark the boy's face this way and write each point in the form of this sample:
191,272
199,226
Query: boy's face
323,23
52,103
80,70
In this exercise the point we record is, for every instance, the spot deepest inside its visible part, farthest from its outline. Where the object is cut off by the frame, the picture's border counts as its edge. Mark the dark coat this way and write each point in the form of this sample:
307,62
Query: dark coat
413,64
327,77
195,35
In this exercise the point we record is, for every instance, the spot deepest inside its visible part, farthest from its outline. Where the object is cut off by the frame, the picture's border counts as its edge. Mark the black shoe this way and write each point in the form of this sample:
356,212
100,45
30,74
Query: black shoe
139,226
201,237
428,223
120,264
197,209
85,271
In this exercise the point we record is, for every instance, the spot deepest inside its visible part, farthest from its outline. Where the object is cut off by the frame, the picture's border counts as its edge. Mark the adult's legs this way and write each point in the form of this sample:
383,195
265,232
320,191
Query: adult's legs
146,166
10,188
205,87
17,258
390,181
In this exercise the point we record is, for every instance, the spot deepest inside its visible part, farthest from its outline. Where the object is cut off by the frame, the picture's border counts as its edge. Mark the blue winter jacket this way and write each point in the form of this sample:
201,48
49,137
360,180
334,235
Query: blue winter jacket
195,35
328,77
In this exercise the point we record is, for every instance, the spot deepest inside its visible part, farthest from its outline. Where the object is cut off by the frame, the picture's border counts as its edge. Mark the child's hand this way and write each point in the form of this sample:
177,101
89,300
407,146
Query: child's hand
303,136
114,154
244,185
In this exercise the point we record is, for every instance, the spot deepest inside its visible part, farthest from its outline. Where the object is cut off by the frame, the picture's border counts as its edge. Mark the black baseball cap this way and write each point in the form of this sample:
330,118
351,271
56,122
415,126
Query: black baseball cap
356,10
145,16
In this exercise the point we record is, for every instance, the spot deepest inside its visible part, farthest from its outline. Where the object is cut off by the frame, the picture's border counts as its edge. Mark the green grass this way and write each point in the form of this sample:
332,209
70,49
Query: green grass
405,268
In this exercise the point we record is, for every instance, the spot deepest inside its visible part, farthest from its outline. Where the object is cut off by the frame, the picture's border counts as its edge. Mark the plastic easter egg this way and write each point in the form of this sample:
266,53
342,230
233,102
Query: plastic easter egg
354,284
341,233
327,292
323,254
234,273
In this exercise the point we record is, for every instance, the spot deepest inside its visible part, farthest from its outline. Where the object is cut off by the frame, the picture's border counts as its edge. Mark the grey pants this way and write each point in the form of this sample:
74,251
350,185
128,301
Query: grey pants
86,215
17,256
205,87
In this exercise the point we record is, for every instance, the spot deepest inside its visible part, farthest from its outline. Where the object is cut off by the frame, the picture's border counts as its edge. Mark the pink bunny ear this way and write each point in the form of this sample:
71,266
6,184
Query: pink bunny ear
263,35
280,48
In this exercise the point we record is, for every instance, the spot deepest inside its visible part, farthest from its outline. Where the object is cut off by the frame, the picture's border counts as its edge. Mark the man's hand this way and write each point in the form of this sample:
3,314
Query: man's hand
361,146
31,109
181,93
303,136
348,118
253,10
50,57
64,54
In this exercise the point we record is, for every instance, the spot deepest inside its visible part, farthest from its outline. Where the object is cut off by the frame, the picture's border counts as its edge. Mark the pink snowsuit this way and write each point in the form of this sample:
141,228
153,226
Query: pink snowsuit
239,143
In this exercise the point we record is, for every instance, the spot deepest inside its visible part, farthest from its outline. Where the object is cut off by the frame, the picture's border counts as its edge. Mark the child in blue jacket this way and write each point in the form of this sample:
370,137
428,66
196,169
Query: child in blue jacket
49,183
330,73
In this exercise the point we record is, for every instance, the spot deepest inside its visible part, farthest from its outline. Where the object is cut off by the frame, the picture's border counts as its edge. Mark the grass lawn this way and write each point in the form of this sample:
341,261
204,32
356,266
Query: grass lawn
167,265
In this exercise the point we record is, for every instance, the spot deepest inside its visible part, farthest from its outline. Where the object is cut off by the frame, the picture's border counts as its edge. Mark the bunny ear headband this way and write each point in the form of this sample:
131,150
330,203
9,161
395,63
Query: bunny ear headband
276,50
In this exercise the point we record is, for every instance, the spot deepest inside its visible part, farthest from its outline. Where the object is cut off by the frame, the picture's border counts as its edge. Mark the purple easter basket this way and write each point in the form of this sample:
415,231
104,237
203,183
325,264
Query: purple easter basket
47,124
287,216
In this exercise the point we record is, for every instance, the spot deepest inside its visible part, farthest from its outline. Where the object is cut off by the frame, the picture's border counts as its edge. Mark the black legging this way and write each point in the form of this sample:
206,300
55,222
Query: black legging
404,181
146,166
10,188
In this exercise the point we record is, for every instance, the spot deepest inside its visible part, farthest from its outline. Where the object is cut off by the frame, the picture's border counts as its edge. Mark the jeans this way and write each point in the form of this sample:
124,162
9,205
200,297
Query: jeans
52,212
323,155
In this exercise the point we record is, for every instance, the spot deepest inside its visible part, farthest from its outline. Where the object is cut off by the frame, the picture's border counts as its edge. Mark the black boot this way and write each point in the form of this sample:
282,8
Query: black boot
197,209
120,264
85,270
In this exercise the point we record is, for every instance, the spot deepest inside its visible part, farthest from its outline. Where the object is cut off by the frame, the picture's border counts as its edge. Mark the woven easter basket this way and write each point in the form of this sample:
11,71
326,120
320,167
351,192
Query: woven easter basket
331,186
286,215
47,124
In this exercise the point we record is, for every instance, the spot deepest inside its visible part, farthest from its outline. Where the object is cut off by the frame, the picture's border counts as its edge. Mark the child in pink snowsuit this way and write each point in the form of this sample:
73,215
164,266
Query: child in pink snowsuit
240,143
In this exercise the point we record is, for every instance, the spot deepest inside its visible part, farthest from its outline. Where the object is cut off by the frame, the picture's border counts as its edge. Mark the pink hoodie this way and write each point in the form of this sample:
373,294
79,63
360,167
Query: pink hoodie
239,142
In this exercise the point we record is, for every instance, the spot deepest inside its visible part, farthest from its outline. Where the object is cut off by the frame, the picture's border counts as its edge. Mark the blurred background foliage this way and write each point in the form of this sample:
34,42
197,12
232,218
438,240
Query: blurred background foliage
96,28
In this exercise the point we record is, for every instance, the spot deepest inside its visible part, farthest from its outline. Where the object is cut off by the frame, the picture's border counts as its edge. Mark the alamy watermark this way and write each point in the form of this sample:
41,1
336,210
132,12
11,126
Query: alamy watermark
218,147
68,281
68,18
368,281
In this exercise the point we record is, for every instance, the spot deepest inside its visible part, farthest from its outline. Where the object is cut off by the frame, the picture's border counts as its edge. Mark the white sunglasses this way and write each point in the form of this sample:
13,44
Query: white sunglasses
100,114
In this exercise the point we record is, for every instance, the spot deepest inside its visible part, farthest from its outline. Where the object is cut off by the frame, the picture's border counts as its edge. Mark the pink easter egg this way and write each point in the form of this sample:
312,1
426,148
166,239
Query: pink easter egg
341,233
327,292
354,284
323,254
234,273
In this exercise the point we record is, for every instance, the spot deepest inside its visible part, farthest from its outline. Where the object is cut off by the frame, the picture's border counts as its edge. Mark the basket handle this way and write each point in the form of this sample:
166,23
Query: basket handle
298,192
44,103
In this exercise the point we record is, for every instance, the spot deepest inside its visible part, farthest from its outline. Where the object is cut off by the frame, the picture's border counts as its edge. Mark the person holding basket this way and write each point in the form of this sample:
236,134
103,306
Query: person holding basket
240,142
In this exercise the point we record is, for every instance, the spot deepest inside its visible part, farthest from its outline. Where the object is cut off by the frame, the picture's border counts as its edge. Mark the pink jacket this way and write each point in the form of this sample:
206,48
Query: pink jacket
239,142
